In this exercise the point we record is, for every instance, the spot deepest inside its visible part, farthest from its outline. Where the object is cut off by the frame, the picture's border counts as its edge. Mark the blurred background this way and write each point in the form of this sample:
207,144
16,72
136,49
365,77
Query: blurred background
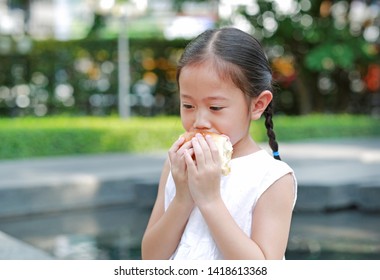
62,56
93,82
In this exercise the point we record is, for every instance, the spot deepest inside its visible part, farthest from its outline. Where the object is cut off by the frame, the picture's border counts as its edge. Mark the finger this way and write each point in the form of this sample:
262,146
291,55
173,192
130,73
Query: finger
190,163
213,149
186,146
191,153
198,152
173,156
205,147
177,144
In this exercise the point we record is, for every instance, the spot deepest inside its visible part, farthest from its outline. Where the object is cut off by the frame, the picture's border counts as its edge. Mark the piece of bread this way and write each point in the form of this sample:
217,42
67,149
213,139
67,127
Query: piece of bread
223,144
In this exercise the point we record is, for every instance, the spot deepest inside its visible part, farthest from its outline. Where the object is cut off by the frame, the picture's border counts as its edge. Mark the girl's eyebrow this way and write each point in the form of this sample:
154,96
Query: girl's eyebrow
211,98
186,96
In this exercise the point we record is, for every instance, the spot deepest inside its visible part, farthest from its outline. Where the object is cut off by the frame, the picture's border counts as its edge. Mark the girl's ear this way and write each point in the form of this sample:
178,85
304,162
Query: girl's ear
260,103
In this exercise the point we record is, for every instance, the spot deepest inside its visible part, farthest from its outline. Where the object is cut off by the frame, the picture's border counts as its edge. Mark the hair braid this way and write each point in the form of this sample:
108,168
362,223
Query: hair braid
268,113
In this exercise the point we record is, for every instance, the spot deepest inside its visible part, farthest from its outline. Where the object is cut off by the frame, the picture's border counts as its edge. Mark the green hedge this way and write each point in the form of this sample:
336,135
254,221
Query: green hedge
30,137
293,128
36,137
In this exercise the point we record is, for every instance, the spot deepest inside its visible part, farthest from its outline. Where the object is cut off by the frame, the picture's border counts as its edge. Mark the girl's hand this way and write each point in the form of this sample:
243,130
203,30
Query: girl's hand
179,169
205,171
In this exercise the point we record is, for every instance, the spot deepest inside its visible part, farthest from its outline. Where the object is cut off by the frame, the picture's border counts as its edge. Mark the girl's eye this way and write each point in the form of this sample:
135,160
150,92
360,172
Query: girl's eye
187,106
216,108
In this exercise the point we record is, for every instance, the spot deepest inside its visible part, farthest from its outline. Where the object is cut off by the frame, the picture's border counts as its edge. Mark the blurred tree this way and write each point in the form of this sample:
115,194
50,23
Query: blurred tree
19,4
101,12
97,26
314,48
22,5
324,53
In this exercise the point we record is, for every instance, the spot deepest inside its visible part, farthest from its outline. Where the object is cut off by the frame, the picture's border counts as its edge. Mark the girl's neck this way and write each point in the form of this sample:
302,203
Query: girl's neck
245,147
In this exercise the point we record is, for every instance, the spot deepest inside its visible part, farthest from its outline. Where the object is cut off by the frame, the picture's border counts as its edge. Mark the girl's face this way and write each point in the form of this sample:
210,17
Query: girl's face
214,104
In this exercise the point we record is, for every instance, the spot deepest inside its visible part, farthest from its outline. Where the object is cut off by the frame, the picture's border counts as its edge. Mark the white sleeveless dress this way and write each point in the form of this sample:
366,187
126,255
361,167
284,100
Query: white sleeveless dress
250,177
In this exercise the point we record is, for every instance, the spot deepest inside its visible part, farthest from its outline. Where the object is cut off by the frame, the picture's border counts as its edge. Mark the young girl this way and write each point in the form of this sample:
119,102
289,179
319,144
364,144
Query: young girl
224,82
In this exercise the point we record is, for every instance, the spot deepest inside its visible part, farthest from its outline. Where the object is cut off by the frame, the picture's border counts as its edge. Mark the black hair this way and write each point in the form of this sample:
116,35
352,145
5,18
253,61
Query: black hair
239,56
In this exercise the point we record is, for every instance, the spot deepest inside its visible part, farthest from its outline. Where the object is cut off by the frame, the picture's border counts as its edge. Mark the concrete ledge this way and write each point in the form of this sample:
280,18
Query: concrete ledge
332,175
365,198
324,198
92,192
146,193
69,195
14,249
368,198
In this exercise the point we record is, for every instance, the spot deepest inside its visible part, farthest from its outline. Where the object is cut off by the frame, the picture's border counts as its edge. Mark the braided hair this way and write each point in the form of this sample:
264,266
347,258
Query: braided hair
239,56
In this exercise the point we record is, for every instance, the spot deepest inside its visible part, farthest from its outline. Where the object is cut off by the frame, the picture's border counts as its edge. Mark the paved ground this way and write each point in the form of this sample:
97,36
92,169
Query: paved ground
338,200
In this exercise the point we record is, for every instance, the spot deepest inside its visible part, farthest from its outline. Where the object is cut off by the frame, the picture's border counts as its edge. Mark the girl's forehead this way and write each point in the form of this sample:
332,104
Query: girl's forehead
203,78
203,86
218,67
207,70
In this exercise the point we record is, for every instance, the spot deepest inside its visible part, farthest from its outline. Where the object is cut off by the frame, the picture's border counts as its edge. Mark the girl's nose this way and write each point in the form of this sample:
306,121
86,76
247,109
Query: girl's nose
201,121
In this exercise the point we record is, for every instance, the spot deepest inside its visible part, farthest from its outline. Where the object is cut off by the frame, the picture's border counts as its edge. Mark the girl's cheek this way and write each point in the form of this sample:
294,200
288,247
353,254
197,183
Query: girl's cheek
187,120
186,124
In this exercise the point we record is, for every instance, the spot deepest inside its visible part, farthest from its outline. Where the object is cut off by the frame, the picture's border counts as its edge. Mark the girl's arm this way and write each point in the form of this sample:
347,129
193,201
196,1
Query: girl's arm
164,229
270,224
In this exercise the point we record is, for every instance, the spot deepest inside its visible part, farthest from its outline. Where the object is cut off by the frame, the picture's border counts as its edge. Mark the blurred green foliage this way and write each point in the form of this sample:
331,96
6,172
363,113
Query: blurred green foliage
311,127
321,56
31,137
81,77
53,136
323,60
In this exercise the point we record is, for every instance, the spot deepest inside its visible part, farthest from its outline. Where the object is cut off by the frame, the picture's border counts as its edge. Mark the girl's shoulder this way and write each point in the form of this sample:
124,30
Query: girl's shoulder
262,169
260,162
261,156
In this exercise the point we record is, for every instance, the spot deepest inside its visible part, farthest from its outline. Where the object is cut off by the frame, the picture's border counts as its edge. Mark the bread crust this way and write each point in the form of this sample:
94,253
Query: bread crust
191,134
